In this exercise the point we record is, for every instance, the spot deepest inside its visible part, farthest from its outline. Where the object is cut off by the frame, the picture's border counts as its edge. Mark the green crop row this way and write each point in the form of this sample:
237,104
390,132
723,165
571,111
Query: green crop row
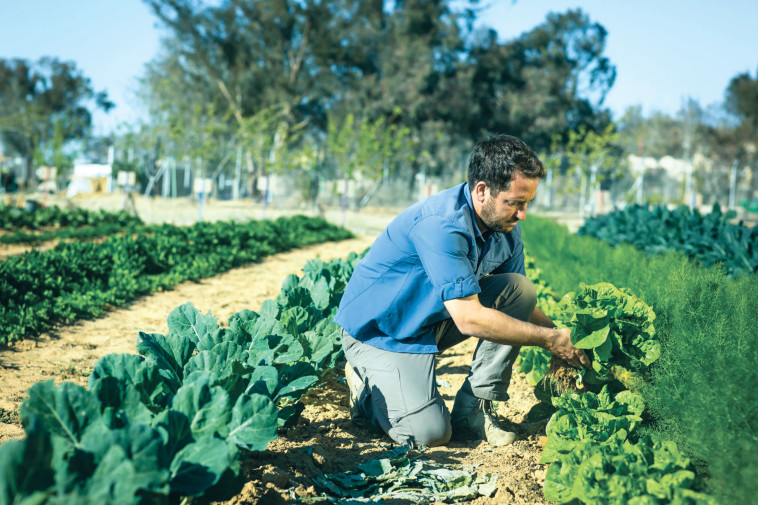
710,238
13,218
701,391
80,280
598,445
83,233
173,422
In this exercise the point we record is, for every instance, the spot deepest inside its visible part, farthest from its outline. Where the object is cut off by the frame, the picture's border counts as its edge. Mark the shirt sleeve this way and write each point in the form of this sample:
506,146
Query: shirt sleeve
443,250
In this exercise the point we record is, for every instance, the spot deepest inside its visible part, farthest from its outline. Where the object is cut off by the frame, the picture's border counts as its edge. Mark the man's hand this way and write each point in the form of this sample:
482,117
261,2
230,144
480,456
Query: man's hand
560,346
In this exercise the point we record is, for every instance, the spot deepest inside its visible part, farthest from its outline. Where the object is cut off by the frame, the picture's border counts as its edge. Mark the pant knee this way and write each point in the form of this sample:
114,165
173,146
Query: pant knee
528,291
432,435
429,426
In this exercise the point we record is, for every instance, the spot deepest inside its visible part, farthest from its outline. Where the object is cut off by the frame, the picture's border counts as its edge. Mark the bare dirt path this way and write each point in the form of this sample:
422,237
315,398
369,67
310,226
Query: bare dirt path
324,440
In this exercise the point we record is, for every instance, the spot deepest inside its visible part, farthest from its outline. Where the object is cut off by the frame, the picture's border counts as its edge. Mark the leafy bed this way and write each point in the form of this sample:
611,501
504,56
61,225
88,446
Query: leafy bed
13,219
174,421
711,238
80,280
600,449
706,325
84,233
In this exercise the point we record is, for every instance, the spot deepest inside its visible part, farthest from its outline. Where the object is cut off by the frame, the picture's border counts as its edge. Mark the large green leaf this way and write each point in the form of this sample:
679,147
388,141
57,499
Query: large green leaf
26,471
206,405
254,422
186,321
264,380
175,430
321,293
167,352
583,340
66,410
200,465
296,387
288,350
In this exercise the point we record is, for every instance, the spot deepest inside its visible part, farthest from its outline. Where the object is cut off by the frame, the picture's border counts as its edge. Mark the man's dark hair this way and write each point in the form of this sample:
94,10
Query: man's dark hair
496,159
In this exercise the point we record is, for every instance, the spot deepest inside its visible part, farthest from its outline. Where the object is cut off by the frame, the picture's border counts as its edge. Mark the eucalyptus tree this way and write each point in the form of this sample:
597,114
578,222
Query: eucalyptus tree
549,80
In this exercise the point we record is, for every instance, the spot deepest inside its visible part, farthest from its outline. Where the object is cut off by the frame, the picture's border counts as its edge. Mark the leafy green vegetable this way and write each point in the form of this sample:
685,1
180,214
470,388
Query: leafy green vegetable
650,471
400,475
614,326
590,417
711,238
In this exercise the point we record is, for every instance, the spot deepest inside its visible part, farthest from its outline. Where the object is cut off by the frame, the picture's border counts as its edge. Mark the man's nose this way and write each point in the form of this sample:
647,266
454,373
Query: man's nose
521,213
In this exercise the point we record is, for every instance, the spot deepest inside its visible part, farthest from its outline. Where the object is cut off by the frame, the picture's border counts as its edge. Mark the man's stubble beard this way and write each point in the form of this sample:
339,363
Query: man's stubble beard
491,221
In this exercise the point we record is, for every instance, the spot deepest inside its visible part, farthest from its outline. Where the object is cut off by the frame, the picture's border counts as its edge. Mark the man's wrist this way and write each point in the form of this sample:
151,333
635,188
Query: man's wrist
549,336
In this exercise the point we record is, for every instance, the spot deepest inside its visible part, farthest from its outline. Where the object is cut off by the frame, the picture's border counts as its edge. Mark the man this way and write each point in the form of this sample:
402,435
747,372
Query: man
443,270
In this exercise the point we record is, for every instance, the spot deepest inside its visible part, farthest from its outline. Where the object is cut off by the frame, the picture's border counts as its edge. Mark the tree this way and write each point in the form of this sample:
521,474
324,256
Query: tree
549,80
741,99
43,102
657,135
316,60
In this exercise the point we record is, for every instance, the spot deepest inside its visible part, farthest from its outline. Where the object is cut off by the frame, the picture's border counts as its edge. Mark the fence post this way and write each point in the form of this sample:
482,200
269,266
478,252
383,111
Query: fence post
733,184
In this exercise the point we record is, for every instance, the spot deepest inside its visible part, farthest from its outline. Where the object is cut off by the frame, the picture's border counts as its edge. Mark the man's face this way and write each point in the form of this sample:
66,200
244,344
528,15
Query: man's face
503,211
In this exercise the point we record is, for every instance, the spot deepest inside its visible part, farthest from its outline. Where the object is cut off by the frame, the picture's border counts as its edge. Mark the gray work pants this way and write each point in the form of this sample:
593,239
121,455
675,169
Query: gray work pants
399,391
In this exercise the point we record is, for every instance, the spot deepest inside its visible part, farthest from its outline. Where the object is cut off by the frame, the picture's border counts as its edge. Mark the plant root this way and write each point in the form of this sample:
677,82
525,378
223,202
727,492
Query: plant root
564,377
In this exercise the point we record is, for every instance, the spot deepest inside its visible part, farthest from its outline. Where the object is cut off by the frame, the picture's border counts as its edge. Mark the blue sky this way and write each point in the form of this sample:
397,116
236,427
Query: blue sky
664,50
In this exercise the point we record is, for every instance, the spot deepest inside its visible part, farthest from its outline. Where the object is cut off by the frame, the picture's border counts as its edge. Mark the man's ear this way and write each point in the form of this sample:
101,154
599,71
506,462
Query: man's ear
480,191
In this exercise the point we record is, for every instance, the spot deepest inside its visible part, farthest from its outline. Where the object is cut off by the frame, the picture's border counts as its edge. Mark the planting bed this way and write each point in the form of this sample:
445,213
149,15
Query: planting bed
324,440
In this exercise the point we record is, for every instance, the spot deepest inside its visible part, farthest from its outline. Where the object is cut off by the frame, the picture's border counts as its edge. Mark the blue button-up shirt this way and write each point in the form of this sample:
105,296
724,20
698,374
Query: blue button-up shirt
431,252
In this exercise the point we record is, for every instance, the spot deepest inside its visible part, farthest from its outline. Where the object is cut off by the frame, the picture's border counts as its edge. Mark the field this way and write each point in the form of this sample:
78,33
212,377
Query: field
266,391
324,441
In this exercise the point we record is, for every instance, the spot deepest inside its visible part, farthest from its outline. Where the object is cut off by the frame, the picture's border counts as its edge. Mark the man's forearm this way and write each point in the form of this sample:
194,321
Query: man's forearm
500,328
473,319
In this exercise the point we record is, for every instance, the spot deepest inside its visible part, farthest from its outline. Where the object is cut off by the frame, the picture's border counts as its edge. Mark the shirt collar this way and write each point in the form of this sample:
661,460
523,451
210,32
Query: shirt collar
470,202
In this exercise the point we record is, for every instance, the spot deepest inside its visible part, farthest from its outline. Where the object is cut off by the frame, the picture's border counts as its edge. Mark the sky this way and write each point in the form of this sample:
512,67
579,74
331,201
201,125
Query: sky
665,51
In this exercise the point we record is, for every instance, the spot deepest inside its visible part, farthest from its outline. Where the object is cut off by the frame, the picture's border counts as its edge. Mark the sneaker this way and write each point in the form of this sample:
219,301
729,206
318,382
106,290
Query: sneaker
474,418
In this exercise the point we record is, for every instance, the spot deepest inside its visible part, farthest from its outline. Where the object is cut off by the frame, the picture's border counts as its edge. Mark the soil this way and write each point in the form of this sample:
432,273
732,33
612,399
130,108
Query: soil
324,440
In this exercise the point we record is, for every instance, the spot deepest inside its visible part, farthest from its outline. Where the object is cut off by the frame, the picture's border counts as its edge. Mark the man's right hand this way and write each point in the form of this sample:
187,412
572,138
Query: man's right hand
560,346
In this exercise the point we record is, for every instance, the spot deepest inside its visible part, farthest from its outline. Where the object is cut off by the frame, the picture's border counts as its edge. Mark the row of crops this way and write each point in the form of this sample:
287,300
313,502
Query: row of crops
173,422
600,443
699,398
48,223
76,280
711,239
14,218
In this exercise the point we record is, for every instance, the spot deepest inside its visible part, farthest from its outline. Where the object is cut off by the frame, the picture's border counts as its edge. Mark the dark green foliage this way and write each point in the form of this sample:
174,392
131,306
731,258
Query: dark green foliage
710,238
80,280
85,233
175,420
13,218
701,390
